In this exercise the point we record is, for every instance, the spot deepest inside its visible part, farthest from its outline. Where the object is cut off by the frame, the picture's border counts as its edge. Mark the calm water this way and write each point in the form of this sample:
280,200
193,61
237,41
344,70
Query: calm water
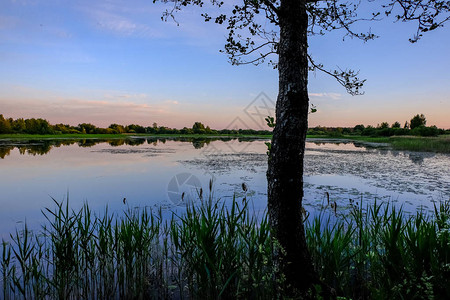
158,172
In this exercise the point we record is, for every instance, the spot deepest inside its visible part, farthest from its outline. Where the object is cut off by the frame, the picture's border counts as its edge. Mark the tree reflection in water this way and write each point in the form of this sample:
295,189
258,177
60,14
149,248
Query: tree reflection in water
42,147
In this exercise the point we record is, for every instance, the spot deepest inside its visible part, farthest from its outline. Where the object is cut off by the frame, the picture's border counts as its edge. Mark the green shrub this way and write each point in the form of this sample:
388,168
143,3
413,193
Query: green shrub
425,131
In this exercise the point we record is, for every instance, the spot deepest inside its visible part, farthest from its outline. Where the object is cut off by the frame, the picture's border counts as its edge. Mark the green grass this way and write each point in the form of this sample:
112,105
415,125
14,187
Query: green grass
218,251
440,144
430,144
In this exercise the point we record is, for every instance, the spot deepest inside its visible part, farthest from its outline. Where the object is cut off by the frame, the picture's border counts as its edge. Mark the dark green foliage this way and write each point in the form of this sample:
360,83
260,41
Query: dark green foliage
417,128
385,131
86,128
135,128
37,126
358,128
417,120
198,128
425,131
396,125
383,125
117,128
369,131
5,125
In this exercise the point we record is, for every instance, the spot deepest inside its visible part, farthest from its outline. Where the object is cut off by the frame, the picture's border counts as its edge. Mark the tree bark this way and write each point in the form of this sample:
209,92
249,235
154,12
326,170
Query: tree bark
285,169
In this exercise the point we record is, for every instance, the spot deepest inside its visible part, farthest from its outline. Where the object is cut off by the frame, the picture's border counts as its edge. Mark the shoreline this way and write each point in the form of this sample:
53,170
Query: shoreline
440,144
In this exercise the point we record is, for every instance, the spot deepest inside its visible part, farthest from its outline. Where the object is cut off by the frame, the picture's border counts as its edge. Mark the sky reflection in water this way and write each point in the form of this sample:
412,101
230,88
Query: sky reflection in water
152,172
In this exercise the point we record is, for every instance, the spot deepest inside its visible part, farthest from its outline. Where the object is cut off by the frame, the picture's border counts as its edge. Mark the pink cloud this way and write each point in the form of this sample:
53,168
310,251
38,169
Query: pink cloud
100,113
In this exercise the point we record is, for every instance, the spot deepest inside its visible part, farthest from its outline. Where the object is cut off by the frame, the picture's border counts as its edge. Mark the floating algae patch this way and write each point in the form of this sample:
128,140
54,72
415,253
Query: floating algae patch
346,171
385,170
228,162
146,151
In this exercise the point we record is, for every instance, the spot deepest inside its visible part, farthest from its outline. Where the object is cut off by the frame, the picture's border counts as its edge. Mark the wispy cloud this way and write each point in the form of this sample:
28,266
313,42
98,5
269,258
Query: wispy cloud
334,96
142,19
124,95
118,21
173,102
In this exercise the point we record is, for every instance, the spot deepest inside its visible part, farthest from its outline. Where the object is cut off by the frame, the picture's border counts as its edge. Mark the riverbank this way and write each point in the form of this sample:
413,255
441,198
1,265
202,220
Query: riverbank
440,144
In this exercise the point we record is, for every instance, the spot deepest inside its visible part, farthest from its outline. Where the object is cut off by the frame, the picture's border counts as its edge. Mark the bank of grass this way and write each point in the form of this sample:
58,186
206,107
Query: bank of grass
431,144
218,251
439,144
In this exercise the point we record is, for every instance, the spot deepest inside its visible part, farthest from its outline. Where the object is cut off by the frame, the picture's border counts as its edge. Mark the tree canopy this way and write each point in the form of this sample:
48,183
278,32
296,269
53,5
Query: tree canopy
417,121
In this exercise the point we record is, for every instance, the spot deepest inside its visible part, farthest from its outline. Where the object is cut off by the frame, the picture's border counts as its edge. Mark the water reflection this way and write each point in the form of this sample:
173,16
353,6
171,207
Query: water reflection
418,157
200,143
42,147
104,172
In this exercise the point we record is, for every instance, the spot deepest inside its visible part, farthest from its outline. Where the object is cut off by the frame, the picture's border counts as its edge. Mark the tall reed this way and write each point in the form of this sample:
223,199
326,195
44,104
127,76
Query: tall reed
222,250
378,252
210,251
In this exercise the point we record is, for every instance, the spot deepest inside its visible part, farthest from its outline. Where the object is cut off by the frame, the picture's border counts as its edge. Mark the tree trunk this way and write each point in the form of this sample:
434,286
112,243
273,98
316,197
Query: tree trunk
285,170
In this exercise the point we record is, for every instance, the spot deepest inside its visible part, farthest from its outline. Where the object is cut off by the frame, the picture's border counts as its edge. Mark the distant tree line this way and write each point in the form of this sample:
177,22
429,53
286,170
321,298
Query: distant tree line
42,126
416,126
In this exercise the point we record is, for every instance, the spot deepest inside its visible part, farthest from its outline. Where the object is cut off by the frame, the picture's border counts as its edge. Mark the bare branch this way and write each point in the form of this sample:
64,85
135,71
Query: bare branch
347,78
272,7
255,49
256,61
429,14
334,15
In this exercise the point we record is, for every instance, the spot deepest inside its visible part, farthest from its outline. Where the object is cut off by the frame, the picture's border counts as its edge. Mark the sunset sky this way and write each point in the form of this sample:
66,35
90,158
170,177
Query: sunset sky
115,61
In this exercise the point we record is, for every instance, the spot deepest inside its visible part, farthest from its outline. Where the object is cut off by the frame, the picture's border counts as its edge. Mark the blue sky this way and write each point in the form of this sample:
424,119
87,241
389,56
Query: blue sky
115,61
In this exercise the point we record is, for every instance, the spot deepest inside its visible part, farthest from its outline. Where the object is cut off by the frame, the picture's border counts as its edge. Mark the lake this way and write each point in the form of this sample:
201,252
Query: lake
169,173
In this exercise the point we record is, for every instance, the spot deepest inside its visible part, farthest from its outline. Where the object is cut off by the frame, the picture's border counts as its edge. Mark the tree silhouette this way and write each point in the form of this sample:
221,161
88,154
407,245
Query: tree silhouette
396,124
417,120
198,128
